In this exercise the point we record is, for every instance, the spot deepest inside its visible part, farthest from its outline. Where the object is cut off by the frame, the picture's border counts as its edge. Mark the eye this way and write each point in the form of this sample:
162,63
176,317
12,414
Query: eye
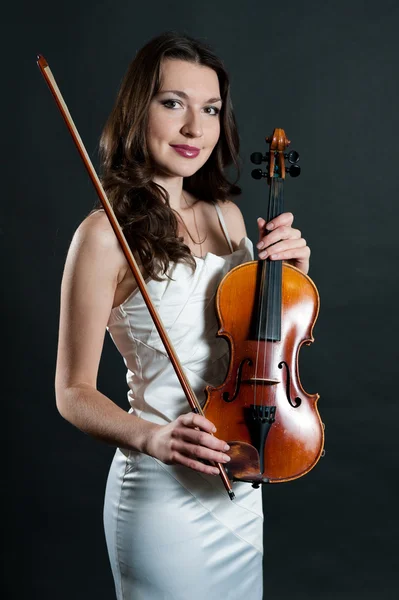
212,110
169,103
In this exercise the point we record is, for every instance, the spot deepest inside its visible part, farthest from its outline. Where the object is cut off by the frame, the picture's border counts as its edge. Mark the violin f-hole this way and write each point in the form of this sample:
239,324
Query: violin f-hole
226,395
297,401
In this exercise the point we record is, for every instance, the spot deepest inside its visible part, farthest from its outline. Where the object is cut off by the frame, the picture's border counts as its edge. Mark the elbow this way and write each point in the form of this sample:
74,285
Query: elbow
61,402
67,399
71,401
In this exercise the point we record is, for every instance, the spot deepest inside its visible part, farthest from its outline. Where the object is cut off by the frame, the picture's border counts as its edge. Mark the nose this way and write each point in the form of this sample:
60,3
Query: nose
192,126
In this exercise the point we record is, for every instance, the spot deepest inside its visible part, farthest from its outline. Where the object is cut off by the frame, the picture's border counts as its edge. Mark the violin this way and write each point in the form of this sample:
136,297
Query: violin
267,310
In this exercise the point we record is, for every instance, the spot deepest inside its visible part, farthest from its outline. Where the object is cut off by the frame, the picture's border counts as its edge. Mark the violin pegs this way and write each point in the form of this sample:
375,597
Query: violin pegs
294,170
292,157
257,158
258,174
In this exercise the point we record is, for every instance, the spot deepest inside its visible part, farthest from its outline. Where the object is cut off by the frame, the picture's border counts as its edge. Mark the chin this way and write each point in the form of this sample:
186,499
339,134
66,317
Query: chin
178,170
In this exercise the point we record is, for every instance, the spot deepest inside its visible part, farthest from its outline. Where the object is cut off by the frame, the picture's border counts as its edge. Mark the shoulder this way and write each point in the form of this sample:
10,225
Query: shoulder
96,241
96,230
234,220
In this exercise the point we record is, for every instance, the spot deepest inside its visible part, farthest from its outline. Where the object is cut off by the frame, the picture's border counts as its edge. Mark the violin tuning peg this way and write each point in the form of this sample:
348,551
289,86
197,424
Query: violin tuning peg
292,156
258,174
257,158
294,170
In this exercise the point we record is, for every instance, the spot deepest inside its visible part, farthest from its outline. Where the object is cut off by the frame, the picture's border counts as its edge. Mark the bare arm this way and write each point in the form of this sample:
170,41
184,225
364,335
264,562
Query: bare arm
92,272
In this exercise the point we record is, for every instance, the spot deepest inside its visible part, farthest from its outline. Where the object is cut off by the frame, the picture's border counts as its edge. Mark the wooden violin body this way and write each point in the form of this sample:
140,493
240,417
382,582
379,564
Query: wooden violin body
261,379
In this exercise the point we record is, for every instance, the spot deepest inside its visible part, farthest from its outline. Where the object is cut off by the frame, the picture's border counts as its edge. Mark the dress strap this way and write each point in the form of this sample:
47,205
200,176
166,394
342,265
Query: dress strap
223,226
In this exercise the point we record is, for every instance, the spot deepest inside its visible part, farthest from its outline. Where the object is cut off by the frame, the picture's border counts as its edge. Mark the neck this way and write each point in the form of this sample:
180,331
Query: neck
174,187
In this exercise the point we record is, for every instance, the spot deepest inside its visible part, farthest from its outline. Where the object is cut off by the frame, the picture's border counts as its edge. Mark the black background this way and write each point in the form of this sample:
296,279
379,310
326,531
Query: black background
327,73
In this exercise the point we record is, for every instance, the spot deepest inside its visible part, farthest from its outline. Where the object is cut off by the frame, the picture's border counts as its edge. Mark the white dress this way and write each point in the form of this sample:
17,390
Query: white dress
172,533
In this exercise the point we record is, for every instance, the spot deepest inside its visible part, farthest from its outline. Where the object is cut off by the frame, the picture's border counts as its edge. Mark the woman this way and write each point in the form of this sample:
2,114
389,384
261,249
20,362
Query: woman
172,531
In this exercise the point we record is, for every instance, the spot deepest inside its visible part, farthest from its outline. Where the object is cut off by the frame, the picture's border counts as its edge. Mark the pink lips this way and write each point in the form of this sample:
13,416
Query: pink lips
186,151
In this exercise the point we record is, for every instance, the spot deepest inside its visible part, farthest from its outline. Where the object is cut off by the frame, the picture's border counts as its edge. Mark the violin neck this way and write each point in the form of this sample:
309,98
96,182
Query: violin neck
276,198
269,314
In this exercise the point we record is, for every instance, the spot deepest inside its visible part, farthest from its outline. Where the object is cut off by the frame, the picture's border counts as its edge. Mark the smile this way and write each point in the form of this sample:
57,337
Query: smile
186,151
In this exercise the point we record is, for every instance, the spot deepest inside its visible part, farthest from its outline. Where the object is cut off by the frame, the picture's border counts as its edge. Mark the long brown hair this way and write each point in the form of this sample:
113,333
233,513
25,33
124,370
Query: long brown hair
142,206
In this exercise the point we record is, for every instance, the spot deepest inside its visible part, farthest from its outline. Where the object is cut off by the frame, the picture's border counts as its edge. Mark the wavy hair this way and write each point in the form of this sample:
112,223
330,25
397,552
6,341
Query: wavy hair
140,205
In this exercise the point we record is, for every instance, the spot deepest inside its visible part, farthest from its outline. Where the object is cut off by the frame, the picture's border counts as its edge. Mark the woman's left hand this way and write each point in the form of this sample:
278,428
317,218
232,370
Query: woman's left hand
278,240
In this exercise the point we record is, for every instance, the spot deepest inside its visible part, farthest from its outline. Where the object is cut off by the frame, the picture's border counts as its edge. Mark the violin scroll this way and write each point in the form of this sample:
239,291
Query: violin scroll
275,158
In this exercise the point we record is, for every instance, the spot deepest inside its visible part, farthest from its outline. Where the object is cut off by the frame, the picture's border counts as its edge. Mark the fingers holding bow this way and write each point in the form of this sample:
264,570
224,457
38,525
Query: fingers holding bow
278,240
188,441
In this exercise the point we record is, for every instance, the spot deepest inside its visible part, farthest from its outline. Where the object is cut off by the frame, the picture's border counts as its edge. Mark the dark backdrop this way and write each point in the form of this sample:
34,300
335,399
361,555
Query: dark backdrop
326,72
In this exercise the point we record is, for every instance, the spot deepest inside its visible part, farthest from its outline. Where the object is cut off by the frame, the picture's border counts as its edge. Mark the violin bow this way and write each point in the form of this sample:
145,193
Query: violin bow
188,391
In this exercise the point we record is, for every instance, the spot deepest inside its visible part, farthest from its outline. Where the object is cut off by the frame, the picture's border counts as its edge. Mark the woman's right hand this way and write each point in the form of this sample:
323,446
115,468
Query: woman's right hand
188,441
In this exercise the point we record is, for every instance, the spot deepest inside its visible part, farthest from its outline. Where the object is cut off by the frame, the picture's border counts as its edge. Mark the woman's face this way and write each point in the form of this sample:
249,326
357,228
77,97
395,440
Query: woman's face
183,124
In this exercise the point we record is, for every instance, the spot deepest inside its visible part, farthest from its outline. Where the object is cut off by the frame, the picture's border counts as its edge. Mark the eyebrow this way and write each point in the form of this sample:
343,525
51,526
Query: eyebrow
185,96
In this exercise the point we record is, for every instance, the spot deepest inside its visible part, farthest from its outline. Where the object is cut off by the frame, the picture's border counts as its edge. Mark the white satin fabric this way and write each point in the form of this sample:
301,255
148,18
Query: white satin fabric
172,533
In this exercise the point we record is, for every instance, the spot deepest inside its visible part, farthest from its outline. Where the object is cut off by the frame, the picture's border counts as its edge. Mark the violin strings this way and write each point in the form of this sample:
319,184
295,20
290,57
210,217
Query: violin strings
259,326
270,299
267,273
277,291
273,299
269,308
